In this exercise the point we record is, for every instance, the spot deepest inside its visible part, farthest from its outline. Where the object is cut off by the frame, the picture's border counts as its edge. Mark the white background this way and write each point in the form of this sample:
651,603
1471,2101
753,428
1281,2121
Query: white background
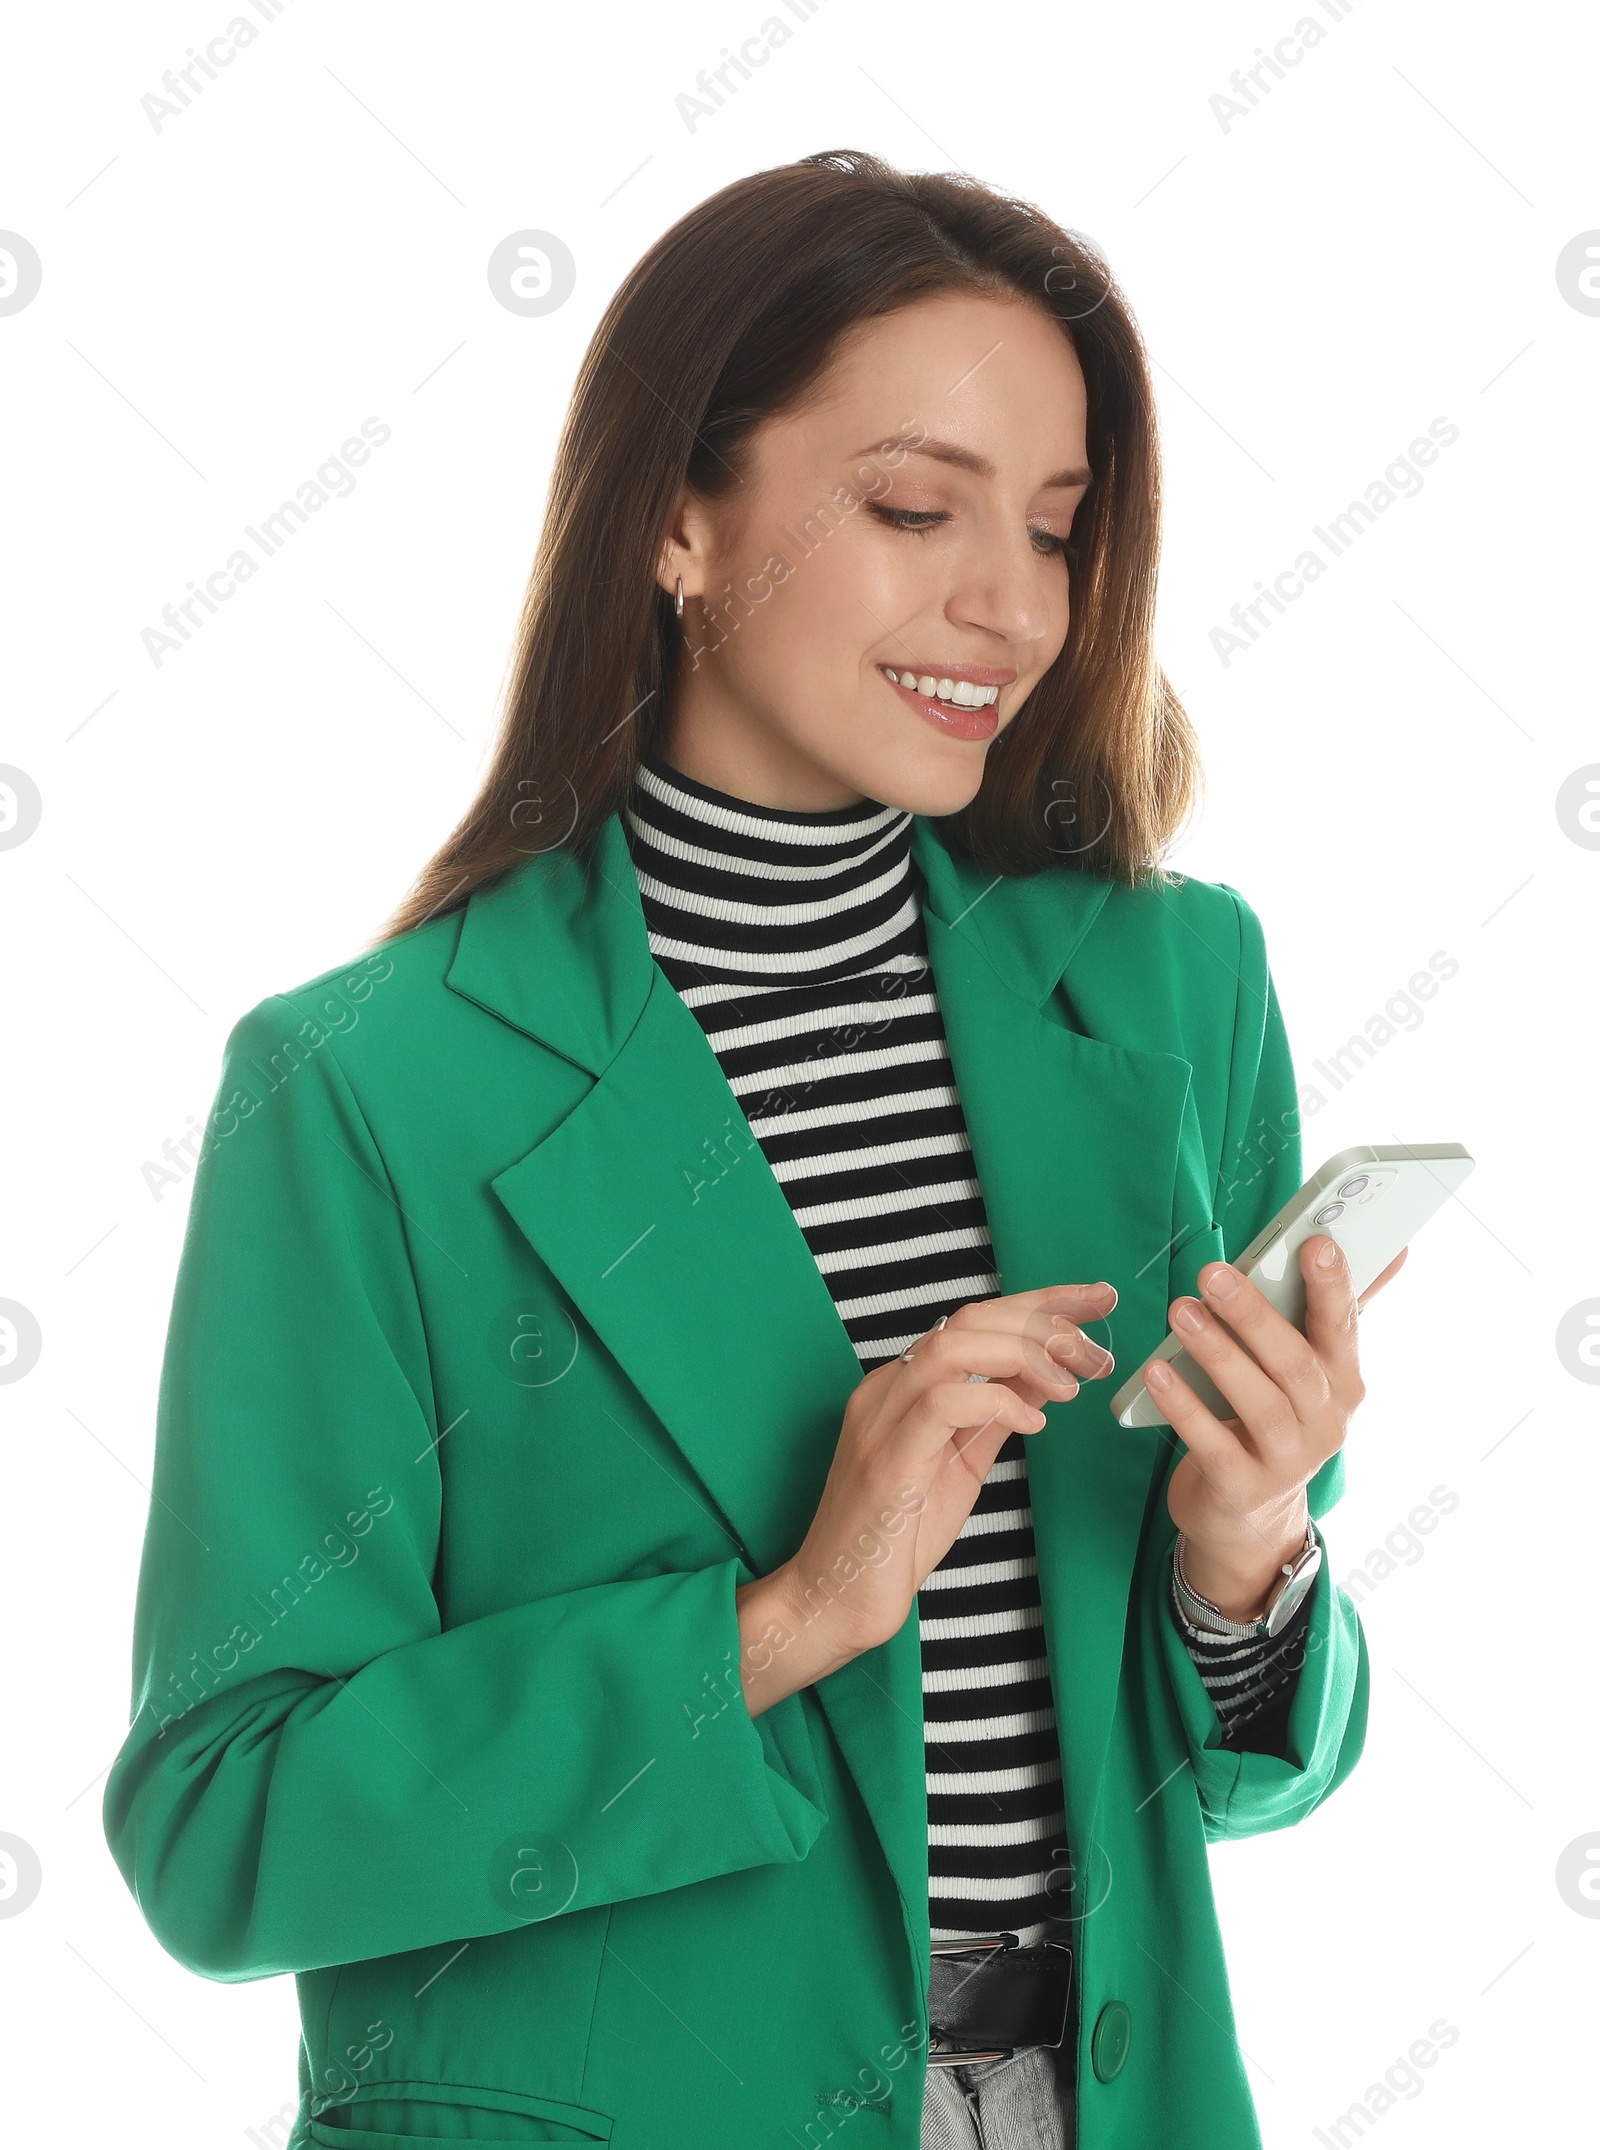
1372,247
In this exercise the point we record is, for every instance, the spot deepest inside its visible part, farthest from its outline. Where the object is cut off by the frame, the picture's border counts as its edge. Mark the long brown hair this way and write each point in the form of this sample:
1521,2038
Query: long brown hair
728,320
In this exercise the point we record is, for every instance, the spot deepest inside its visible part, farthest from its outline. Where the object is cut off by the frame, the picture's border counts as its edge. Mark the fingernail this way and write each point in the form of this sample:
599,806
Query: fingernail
1329,1255
1065,1321
1224,1282
1187,1317
1156,1375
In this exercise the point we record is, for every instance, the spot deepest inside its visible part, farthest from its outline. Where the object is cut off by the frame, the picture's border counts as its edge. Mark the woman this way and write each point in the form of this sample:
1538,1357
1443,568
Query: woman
666,1262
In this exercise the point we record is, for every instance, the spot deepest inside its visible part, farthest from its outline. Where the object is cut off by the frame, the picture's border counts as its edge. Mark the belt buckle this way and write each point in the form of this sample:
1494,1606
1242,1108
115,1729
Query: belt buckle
986,1947
982,1946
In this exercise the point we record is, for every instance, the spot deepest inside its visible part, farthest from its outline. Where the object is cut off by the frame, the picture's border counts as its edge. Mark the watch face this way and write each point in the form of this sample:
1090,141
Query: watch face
1294,1593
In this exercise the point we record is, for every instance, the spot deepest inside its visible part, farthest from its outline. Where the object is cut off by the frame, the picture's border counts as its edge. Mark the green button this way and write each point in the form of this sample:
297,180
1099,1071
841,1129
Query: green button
1113,2033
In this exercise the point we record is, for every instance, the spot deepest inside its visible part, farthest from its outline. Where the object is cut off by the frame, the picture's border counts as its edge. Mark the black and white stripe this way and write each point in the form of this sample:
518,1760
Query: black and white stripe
1251,1680
796,939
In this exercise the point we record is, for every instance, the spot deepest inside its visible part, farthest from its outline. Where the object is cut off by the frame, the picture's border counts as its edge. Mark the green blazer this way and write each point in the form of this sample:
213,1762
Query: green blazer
497,1361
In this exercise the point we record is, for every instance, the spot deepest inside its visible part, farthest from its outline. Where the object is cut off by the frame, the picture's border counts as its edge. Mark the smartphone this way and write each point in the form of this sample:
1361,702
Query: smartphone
1372,1201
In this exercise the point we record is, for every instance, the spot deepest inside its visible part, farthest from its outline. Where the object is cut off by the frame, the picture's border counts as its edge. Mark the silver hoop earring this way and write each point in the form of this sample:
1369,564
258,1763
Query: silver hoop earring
680,598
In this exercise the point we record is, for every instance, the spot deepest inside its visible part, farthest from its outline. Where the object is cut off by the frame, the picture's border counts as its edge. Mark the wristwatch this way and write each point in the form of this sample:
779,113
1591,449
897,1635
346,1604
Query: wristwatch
1295,1579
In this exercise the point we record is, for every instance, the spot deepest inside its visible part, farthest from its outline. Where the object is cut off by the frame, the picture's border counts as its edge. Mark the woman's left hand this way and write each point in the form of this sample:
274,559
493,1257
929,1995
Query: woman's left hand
1238,1495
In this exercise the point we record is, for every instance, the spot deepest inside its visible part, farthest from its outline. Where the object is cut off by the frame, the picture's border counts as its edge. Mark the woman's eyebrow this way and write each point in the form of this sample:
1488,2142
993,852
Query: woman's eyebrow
949,451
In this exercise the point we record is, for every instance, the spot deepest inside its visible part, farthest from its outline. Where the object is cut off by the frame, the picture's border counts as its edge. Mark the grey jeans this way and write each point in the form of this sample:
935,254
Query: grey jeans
1016,2104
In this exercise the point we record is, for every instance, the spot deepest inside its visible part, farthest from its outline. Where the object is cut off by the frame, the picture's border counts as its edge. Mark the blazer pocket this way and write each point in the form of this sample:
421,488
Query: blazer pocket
403,2116
544,2131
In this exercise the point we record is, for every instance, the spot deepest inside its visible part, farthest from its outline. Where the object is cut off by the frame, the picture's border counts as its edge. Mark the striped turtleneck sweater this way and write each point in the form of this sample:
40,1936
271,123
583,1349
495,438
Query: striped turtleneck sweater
796,940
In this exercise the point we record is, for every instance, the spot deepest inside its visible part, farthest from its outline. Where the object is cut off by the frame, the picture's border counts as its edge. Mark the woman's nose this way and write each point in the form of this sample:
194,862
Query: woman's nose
1000,589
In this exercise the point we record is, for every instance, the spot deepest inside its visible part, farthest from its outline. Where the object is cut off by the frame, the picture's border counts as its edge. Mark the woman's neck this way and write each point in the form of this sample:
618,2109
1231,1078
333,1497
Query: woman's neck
726,752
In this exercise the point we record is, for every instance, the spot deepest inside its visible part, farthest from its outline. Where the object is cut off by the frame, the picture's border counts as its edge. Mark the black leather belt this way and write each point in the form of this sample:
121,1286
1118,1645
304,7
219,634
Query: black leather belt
989,1998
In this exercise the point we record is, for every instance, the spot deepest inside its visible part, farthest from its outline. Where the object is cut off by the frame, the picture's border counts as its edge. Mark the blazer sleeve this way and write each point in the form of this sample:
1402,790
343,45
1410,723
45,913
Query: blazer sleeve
1243,1793
317,1771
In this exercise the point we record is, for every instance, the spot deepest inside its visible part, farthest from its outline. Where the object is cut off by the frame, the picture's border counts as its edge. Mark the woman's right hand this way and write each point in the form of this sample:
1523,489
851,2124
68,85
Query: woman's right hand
918,1439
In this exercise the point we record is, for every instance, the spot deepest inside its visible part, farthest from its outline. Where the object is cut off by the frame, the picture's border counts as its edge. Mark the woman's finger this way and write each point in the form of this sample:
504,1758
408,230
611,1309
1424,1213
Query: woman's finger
961,1351
1218,1452
956,1407
1031,1312
1333,1324
1048,1315
1267,1413
960,1411
1053,1316
1293,1361
1094,1299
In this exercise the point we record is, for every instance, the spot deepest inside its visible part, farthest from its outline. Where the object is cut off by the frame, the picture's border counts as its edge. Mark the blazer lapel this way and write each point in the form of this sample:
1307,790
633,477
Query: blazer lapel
652,1204
654,1208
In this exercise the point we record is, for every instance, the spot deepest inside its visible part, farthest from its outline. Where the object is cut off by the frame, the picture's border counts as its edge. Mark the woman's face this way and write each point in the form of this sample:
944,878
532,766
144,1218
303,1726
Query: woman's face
911,519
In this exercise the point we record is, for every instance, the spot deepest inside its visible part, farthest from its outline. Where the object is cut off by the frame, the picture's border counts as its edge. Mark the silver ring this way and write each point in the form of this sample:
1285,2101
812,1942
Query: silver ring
910,1350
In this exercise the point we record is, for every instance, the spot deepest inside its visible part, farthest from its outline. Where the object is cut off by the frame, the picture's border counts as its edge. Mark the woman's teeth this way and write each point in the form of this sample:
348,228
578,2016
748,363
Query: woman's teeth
959,691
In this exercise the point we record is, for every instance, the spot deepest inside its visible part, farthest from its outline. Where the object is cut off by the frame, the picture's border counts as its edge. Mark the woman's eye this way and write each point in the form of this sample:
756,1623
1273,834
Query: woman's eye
919,521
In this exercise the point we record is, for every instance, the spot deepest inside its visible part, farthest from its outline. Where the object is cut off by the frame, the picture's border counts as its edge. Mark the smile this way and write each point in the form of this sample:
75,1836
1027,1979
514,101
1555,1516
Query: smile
961,708
959,691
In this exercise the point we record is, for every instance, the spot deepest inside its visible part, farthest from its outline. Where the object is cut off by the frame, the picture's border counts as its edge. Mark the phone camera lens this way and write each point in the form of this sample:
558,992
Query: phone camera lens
1328,1212
1351,1188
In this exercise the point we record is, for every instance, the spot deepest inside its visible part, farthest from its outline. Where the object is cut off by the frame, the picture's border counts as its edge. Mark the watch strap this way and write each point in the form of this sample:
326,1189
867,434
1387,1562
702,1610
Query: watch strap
1294,1581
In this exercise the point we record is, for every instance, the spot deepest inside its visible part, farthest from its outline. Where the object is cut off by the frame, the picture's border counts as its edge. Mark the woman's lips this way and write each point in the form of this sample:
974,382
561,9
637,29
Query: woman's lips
948,717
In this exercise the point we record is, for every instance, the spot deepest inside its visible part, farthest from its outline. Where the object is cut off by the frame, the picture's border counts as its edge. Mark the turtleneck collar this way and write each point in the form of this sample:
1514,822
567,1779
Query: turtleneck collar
769,895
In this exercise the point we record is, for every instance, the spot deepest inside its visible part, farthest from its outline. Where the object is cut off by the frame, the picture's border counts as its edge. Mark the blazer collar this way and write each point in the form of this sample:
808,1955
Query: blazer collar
559,950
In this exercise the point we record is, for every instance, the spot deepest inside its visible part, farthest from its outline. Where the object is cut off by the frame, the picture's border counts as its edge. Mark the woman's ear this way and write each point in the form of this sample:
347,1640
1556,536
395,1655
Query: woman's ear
686,549
667,566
